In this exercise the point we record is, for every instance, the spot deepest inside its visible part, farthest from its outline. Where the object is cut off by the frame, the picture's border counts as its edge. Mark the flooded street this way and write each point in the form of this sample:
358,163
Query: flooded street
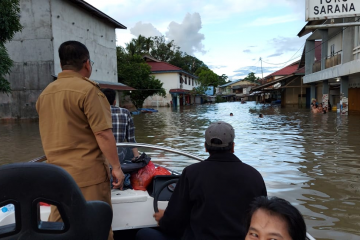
312,160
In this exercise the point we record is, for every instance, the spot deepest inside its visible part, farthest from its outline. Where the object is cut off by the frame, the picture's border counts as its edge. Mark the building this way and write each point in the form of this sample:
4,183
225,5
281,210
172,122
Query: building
34,50
236,90
286,84
176,82
336,78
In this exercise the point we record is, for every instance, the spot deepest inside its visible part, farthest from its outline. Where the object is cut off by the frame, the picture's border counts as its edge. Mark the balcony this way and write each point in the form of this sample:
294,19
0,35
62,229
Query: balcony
333,60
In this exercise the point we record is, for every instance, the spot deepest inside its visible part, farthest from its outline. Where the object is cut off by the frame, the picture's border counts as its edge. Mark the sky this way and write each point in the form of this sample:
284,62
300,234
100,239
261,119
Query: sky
229,36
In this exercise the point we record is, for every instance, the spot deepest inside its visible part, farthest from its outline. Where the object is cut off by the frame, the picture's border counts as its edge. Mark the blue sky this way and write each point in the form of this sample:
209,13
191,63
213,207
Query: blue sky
229,35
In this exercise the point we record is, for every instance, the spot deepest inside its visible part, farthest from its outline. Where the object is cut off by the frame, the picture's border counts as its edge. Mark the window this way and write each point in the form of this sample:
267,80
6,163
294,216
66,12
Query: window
332,50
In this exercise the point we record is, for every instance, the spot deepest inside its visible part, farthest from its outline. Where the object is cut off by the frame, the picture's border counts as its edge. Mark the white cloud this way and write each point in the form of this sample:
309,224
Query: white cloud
186,34
266,21
144,29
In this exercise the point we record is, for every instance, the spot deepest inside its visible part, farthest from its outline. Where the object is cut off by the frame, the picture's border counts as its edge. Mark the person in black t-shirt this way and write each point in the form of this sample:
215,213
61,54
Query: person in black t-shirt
212,197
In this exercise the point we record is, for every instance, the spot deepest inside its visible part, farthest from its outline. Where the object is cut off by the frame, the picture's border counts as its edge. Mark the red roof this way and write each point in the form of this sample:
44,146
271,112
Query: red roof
162,66
290,69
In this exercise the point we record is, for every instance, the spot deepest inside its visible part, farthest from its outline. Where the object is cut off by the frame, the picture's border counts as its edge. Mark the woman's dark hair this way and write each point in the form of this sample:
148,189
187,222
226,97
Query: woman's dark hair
72,55
110,95
281,207
212,149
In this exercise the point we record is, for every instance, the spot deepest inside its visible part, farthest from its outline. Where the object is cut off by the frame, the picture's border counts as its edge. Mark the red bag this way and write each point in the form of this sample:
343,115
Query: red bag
161,171
143,177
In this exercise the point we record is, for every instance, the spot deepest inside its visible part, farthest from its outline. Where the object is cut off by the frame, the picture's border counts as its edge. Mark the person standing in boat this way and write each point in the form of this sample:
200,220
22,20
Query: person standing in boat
211,198
122,126
75,127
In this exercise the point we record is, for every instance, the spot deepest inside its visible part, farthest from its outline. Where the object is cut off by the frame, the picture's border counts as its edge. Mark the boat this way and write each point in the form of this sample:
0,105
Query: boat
147,110
132,209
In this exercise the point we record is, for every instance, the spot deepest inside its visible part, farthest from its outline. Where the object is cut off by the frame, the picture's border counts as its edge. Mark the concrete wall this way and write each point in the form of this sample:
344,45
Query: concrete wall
337,40
72,23
46,24
32,53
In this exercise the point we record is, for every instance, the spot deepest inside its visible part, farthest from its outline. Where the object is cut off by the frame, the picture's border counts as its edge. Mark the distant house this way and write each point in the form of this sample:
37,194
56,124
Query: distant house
235,90
286,84
34,50
176,82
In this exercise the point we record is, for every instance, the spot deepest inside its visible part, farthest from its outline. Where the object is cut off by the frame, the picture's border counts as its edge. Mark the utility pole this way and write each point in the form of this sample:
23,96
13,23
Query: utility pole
262,74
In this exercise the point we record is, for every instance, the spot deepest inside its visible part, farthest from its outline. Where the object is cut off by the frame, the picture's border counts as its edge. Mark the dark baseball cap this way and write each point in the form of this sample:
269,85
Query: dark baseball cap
222,131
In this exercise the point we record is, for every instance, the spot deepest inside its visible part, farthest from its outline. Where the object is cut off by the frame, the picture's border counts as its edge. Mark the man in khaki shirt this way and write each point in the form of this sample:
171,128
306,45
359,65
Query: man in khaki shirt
76,127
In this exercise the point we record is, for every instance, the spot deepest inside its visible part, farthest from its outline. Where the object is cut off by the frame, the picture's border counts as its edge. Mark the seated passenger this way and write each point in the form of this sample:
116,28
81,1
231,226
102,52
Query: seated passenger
274,218
212,197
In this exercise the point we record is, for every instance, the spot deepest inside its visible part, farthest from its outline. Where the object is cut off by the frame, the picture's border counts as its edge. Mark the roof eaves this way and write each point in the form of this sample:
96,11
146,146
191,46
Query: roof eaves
174,71
97,13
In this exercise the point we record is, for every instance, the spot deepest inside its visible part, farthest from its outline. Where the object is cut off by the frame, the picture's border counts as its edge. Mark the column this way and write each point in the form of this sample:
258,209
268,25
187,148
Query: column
347,42
312,92
344,95
325,92
344,86
324,47
178,100
309,56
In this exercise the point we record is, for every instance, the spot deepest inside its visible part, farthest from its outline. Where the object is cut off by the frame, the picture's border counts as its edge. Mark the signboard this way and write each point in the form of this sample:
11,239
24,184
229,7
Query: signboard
344,106
327,9
209,91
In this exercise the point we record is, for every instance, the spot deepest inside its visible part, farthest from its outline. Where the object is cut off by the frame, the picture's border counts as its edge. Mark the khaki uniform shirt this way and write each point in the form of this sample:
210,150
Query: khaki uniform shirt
71,109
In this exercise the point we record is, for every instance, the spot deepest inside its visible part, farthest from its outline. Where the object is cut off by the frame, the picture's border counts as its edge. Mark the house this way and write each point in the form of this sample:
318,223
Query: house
34,50
235,90
286,84
336,78
176,82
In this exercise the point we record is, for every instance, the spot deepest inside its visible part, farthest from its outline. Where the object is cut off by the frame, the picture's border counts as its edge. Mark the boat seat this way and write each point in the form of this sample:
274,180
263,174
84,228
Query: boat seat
25,185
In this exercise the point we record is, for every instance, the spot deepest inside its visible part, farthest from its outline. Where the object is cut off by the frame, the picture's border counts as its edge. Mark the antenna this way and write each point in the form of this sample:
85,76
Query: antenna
262,74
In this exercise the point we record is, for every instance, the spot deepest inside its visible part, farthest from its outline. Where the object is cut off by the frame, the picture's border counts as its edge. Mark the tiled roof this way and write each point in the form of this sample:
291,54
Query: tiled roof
227,84
290,69
162,66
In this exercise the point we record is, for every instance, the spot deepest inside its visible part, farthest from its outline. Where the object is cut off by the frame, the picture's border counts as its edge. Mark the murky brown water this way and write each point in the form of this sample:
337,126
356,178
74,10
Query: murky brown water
311,160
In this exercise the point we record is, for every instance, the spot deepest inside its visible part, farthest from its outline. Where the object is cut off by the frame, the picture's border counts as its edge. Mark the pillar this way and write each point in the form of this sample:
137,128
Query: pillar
344,86
184,101
178,100
324,47
344,95
325,92
348,42
312,91
309,56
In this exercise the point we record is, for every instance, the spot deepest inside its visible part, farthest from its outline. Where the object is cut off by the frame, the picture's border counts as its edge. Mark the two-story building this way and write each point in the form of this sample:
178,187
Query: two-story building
337,77
176,82
34,50
235,90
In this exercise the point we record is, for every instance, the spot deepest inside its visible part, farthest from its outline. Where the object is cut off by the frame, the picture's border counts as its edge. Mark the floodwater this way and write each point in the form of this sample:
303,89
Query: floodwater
312,160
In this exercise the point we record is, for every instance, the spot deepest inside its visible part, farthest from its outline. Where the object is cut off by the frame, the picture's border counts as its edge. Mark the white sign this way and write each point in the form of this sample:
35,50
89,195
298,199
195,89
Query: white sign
327,9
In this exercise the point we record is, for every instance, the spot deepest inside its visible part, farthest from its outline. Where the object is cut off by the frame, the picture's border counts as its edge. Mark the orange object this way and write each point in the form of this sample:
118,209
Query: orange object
161,171
143,177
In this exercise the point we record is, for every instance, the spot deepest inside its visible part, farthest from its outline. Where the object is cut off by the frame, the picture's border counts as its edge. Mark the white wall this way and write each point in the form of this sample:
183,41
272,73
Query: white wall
72,23
170,81
337,40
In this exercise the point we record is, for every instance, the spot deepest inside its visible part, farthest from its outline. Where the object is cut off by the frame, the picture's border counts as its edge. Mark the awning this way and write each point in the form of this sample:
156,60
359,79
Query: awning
114,86
179,90
271,83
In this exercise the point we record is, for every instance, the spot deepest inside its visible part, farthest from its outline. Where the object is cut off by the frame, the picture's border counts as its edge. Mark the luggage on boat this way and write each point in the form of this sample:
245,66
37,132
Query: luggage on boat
143,177
131,166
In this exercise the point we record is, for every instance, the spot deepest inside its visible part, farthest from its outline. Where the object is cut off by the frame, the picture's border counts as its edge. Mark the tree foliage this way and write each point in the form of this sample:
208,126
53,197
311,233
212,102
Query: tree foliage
135,72
252,78
9,25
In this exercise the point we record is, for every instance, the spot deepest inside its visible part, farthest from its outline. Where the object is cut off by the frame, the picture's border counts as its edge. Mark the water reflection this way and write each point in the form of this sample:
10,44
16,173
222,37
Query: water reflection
312,160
